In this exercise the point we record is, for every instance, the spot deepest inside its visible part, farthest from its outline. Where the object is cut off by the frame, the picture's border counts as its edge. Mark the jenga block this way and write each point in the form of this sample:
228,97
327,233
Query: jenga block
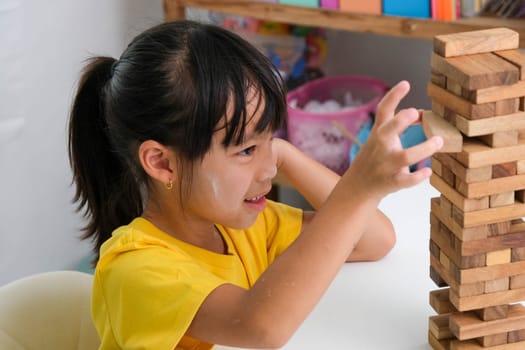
438,300
491,215
491,272
476,71
437,166
436,277
487,126
434,125
493,340
517,282
501,138
491,244
448,278
439,109
459,200
497,285
438,326
502,228
516,57
501,199
494,93
467,175
492,187
479,41
467,325
520,167
474,345
454,87
464,234
498,257
476,154
445,247
469,110
516,336
504,170
465,303
439,79
518,254
438,344
493,312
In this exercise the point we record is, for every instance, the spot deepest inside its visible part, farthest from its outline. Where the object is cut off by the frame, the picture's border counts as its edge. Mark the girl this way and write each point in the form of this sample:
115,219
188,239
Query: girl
172,154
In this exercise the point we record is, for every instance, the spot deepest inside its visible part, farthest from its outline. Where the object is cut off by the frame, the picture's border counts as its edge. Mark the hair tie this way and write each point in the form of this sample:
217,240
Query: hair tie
113,67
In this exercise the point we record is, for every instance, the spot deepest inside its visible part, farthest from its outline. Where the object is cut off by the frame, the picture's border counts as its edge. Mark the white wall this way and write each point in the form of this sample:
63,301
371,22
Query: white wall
47,42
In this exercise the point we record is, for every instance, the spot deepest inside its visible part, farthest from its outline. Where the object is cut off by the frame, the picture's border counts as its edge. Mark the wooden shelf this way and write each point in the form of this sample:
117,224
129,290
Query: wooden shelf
376,24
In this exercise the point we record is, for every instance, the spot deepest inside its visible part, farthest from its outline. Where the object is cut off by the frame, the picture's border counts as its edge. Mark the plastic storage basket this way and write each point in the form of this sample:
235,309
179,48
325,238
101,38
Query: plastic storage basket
316,133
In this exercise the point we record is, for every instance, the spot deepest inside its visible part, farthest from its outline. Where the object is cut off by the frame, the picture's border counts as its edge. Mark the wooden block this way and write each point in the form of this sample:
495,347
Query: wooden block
435,276
436,166
491,215
517,282
491,187
502,228
438,326
493,340
464,234
487,126
434,125
453,87
474,345
520,167
477,71
439,109
497,285
479,41
493,312
449,278
458,199
504,170
516,57
476,154
465,303
438,344
501,138
517,254
448,176
468,109
467,325
467,175
501,199
498,257
494,93
439,79
490,272
516,336
491,244
438,300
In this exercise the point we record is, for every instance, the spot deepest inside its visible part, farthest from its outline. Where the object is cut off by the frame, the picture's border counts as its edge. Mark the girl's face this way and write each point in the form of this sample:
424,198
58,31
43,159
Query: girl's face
230,184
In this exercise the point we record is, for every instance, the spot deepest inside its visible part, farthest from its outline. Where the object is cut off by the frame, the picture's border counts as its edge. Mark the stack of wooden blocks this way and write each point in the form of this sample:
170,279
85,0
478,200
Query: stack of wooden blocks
477,239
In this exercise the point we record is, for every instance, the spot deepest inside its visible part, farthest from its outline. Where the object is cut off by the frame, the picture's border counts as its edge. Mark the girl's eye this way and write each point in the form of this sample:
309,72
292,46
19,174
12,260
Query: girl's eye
247,151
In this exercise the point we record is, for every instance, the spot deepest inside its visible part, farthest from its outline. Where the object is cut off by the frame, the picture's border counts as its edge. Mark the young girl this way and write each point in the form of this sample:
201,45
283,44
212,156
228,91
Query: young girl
172,154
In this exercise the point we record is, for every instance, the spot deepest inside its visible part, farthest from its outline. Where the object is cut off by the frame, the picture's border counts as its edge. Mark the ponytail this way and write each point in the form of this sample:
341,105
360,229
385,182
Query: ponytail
106,191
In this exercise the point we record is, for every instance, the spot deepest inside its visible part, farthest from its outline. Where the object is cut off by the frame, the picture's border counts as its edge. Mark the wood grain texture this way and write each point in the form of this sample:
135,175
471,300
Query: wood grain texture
476,154
516,57
434,125
478,71
478,41
495,93
485,126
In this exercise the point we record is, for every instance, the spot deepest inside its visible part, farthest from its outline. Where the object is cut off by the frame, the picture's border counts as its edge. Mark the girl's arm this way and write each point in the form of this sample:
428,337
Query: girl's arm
315,182
269,313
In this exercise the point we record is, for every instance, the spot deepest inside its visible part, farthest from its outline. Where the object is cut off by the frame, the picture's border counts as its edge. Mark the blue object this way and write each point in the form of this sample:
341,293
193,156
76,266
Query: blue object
412,136
407,8
308,3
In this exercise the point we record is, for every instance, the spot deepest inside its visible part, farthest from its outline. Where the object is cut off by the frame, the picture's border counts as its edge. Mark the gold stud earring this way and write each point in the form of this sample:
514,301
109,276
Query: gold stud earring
169,185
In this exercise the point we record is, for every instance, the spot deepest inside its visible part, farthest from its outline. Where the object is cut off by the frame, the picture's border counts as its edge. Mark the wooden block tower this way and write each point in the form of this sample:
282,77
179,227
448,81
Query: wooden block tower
477,238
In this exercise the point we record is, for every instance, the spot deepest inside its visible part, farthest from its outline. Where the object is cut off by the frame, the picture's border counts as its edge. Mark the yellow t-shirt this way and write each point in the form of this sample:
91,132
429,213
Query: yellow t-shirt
148,285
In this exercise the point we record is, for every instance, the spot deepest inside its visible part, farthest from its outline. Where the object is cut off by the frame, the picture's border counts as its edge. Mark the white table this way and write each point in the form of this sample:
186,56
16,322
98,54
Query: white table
381,305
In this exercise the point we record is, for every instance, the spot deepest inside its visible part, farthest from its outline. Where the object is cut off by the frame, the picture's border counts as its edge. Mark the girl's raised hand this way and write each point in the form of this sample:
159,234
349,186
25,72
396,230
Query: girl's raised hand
382,165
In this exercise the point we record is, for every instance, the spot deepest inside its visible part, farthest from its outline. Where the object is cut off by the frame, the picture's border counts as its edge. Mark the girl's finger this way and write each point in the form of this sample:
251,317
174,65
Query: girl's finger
388,104
402,120
417,153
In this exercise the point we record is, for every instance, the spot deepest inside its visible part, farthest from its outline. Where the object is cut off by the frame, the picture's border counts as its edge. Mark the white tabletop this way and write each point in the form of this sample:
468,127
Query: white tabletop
380,305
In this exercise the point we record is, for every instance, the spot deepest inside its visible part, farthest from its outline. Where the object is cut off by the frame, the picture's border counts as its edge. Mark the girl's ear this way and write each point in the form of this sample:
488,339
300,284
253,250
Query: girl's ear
158,161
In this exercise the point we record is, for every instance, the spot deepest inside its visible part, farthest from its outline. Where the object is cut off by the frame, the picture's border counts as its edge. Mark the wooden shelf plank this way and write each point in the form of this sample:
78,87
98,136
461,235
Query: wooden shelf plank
364,23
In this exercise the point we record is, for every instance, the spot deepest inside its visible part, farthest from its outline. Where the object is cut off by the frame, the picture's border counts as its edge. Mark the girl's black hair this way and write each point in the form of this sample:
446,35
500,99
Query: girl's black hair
172,84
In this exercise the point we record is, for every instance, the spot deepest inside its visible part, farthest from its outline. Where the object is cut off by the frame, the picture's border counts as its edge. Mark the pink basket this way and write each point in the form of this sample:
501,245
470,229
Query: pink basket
315,133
